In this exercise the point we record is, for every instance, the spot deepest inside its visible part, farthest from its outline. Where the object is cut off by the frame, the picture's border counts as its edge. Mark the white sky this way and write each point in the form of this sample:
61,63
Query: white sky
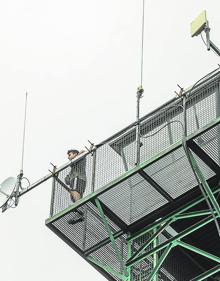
80,63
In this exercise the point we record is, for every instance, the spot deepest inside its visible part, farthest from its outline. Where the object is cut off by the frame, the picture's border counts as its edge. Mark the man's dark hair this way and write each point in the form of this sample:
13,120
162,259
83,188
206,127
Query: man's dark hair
73,151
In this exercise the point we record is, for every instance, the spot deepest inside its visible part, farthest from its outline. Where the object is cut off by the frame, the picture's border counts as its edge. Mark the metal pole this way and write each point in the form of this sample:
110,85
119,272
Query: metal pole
155,255
53,193
185,115
129,184
93,169
140,91
129,269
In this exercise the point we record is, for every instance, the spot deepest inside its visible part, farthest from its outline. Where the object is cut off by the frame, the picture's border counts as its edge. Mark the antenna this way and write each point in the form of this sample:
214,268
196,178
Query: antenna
24,130
7,188
201,24
10,188
140,91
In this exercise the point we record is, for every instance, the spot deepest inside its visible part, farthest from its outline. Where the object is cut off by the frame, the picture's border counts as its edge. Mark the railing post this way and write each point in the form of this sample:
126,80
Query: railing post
53,193
93,170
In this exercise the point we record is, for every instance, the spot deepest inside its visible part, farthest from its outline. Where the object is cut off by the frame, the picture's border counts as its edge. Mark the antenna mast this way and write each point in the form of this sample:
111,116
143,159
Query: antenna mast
140,91
20,176
24,130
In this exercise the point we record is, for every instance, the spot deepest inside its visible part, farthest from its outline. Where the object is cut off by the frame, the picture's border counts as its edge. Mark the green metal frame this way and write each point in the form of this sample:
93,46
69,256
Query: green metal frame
123,276
206,189
158,227
210,216
154,231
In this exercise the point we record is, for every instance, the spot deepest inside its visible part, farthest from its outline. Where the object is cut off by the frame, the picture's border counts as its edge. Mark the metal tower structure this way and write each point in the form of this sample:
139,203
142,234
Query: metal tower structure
158,219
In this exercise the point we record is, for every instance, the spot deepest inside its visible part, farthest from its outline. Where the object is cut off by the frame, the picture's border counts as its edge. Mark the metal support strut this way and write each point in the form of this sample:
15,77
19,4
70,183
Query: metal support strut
140,92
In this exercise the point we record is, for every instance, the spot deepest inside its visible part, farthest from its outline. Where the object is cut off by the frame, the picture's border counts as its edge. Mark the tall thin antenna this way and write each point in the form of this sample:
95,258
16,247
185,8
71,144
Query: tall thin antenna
24,130
140,91
142,41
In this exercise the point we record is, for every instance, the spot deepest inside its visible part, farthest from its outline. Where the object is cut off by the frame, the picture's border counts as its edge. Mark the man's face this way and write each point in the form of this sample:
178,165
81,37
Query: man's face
71,155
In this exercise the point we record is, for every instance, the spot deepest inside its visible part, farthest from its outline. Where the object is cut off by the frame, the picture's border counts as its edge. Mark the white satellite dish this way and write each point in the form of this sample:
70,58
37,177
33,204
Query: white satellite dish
7,188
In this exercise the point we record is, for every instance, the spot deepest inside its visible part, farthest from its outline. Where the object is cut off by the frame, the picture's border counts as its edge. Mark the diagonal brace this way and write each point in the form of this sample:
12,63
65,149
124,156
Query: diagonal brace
120,258
182,234
193,214
198,251
202,179
207,274
160,262
150,240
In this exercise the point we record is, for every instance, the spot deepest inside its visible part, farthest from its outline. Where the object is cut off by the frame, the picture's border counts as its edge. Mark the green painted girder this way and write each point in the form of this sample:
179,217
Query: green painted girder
163,227
105,222
207,274
193,214
198,251
179,236
175,215
155,256
160,262
203,181
129,246
151,239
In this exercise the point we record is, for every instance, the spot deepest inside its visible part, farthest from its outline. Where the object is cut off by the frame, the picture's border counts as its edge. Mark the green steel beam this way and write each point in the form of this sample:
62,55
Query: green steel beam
155,255
131,172
151,239
207,274
159,263
129,269
182,234
171,216
117,252
107,268
205,185
193,214
103,243
198,251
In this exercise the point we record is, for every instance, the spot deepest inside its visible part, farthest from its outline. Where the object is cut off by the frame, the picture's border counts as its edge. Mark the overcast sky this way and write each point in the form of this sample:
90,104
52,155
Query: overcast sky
80,63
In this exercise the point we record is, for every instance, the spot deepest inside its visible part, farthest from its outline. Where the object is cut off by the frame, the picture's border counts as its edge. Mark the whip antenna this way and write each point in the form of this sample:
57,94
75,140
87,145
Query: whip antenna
23,139
140,90
10,188
142,41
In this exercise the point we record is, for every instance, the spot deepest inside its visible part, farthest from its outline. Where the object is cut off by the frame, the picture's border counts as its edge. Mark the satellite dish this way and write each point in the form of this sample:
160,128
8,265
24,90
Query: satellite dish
6,190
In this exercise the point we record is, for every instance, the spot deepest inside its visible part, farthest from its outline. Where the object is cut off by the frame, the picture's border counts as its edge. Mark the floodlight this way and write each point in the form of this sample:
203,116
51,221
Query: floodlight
6,190
199,24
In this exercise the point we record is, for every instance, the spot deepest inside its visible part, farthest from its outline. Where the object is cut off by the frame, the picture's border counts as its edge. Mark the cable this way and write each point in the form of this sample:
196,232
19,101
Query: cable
168,123
206,45
202,79
22,183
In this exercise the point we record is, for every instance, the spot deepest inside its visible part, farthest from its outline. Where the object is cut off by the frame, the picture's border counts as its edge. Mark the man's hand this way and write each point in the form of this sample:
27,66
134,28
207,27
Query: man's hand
67,179
81,152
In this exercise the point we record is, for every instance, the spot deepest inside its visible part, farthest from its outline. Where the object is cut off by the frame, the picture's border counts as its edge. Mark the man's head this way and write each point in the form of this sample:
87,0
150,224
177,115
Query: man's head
72,153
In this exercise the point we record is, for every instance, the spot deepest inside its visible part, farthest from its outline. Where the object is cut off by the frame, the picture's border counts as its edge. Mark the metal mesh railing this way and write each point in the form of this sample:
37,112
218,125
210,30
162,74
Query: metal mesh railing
159,130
